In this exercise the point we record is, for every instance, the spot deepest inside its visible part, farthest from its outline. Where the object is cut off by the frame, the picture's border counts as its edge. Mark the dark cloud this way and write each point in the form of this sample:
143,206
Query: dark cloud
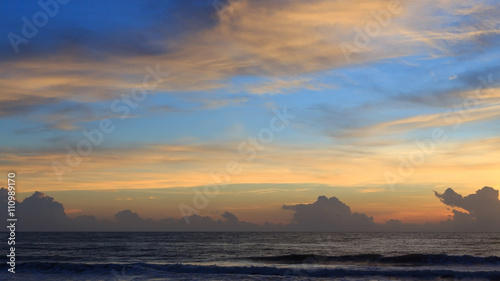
96,30
479,211
87,223
230,218
328,214
41,212
129,221
23,106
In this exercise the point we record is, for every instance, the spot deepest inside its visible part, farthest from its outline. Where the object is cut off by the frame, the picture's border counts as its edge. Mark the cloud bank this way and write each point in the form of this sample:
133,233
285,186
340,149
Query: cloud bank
477,212
328,214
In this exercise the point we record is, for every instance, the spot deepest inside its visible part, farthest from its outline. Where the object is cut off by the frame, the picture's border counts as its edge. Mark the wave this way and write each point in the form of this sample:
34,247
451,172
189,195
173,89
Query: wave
410,259
146,269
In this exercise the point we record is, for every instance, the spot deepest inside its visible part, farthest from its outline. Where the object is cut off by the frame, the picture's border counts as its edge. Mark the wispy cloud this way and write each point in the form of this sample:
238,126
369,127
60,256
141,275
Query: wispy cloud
283,86
256,38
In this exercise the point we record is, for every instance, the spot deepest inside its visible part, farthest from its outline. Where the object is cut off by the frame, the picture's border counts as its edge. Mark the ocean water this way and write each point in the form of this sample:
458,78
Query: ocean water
255,256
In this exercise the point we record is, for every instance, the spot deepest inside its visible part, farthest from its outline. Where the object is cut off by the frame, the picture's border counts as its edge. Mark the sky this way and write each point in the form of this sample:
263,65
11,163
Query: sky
174,109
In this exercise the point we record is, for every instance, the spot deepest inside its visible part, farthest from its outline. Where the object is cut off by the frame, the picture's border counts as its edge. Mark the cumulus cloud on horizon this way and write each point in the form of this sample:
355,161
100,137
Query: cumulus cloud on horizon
328,214
478,212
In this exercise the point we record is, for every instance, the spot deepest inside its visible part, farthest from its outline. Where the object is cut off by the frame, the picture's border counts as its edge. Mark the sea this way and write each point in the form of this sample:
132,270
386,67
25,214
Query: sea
253,256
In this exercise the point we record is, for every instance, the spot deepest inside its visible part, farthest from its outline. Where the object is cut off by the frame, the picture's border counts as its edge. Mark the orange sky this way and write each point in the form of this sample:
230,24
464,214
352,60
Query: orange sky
375,102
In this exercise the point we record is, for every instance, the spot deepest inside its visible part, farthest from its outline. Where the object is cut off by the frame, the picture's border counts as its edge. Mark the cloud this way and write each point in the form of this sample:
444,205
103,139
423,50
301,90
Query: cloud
328,214
127,216
230,218
185,164
280,86
129,221
41,212
455,117
203,52
22,106
215,104
476,212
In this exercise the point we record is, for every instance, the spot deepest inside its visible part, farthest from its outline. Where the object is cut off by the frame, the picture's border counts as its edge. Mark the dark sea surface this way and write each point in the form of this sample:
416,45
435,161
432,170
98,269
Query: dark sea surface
255,256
